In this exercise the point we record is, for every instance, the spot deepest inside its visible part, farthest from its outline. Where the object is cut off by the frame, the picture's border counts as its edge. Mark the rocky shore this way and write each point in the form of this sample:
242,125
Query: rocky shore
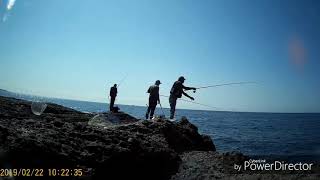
122,148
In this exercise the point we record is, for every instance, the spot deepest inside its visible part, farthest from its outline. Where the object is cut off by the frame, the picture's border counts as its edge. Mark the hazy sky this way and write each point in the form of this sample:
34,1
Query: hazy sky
77,49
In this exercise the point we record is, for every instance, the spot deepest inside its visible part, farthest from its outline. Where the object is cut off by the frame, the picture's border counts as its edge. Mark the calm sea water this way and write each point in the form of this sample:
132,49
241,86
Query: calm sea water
295,136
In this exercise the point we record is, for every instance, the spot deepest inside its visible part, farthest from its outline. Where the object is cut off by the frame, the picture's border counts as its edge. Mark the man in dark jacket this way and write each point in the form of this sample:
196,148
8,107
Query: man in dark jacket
176,92
113,95
154,98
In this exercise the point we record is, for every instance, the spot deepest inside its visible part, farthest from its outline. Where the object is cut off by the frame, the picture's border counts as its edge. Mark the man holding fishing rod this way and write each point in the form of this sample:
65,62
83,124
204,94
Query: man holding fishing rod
154,98
176,92
113,94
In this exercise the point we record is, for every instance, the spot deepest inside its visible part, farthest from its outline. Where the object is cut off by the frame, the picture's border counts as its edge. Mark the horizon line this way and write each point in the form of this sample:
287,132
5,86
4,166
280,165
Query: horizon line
92,101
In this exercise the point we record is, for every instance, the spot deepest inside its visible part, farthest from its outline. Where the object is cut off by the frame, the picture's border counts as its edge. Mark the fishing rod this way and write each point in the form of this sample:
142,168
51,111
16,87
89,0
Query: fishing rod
227,84
122,80
194,102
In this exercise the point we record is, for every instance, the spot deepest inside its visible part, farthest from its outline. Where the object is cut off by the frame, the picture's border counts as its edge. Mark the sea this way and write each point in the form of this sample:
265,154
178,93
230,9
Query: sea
284,136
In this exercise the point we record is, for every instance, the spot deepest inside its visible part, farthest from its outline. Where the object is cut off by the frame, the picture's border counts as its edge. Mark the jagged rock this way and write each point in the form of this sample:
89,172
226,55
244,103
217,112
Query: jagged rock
128,149
62,138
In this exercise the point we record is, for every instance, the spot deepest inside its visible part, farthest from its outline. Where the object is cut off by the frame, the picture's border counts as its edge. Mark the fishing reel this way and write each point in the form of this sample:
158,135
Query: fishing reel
195,90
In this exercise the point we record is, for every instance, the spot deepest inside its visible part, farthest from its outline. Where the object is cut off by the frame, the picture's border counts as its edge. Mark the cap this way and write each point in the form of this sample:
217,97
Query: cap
181,78
158,82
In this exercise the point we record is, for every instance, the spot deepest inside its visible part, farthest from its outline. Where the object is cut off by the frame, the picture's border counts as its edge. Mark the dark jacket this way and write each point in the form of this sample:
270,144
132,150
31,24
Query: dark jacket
177,89
154,92
113,91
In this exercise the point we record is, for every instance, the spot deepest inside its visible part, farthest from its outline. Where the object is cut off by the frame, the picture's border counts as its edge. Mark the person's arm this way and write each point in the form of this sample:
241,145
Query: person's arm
188,88
158,95
187,95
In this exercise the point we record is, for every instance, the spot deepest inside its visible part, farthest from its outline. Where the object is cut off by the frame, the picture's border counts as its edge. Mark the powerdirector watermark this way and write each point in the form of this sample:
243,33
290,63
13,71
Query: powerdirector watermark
242,164
263,165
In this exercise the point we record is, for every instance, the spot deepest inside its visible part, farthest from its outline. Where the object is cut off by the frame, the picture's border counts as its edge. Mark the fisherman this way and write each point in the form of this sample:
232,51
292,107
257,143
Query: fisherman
113,95
176,92
154,98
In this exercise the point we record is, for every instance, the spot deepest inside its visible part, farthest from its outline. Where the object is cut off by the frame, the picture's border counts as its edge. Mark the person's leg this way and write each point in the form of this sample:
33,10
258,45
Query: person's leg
171,107
174,108
172,101
112,99
152,111
148,111
149,108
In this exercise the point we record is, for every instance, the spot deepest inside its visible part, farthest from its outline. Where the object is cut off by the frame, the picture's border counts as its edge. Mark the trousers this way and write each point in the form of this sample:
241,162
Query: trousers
173,103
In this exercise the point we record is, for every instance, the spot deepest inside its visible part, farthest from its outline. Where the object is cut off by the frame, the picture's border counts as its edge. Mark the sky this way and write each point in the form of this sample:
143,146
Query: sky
77,49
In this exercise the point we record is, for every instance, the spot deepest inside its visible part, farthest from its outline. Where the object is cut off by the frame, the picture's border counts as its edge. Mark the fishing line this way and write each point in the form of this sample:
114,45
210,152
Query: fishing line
227,84
194,102
162,109
122,80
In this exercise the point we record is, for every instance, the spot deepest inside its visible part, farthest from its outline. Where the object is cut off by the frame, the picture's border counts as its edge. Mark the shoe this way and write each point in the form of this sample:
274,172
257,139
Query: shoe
147,116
